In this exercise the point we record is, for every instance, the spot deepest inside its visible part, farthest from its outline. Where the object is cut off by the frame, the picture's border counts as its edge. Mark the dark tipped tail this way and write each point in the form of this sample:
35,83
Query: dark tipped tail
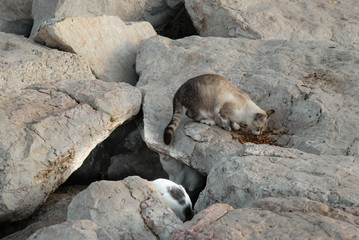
172,126
168,135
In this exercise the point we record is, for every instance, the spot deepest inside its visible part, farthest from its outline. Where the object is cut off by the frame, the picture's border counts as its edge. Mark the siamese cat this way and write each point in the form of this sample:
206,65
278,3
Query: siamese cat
214,100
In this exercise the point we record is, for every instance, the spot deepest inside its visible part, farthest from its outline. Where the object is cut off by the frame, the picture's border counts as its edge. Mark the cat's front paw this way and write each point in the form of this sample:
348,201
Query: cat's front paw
236,126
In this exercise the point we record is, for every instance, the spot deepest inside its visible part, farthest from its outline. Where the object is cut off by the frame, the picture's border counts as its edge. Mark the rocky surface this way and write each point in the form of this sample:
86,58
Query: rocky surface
81,114
53,211
23,62
80,229
15,16
156,12
114,59
281,218
311,85
266,19
127,209
262,171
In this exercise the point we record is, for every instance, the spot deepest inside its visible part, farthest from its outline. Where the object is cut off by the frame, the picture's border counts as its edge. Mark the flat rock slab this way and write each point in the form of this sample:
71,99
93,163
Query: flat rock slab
262,171
311,85
108,43
128,209
50,130
156,12
265,19
24,62
271,218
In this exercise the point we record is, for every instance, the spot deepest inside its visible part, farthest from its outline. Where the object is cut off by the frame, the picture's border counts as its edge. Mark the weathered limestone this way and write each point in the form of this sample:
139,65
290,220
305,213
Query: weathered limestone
108,43
262,171
280,218
23,62
156,12
127,209
311,85
15,16
50,130
265,19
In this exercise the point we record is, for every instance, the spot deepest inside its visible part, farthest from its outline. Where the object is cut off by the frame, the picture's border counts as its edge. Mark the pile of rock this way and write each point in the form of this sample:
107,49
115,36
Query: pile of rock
103,63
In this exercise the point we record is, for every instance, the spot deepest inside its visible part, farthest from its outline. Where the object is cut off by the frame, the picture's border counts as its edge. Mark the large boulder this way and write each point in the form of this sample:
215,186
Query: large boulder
262,171
128,209
108,43
15,16
50,130
311,85
52,212
271,218
266,19
23,62
156,12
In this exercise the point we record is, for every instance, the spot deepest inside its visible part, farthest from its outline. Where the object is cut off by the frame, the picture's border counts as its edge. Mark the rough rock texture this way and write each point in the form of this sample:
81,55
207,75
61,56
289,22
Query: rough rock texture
154,11
262,171
53,211
311,85
23,62
77,230
266,19
127,209
271,218
50,130
15,16
108,43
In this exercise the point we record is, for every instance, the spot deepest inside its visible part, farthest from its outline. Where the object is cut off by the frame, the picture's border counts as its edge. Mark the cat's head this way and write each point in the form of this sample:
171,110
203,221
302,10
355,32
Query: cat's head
259,123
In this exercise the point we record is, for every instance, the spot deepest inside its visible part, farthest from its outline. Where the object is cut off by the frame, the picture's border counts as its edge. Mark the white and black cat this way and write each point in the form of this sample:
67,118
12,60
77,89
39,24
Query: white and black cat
214,100
176,197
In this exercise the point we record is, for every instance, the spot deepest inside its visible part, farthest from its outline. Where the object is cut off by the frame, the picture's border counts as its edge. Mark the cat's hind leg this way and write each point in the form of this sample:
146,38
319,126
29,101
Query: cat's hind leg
235,125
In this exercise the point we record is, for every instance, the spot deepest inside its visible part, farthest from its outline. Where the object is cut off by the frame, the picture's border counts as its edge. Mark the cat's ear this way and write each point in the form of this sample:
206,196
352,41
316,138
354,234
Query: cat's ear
270,113
259,116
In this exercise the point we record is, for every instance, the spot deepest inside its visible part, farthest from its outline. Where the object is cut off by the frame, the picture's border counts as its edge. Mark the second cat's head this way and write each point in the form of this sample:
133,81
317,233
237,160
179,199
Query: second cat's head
260,120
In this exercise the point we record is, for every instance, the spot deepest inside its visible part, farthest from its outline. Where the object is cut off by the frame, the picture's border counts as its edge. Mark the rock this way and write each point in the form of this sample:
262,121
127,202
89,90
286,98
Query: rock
262,171
293,218
311,85
77,230
15,16
127,209
23,62
51,128
53,211
108,43
156,12
265,19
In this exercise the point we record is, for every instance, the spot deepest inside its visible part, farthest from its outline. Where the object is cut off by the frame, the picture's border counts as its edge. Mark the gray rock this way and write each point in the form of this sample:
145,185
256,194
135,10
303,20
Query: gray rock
156,12
23,62
262,171
127,209
264,19
271,218
108,43
311,85
77,230
52,212
15,16
50,130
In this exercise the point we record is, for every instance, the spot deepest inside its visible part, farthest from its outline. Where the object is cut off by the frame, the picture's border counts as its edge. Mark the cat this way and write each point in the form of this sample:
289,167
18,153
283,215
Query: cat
214,100
176,197
182,174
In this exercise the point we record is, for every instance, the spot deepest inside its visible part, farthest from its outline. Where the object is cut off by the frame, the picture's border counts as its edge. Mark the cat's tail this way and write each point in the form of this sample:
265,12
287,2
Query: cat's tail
173,125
